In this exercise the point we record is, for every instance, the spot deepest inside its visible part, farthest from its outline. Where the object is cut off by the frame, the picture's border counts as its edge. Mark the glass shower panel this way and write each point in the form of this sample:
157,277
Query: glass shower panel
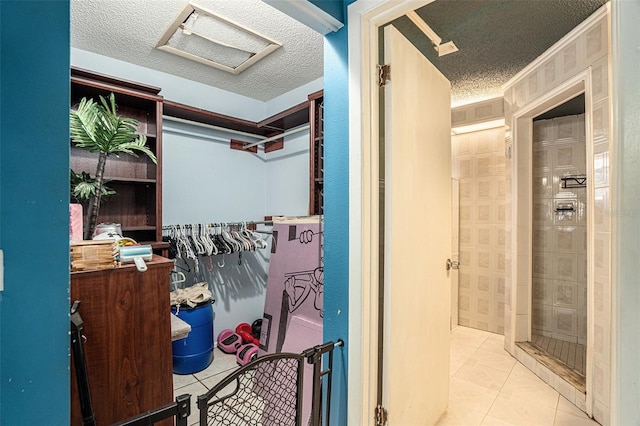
559,239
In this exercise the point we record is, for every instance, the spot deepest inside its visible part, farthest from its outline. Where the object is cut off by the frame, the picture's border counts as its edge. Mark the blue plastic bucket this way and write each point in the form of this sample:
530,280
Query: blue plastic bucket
195,352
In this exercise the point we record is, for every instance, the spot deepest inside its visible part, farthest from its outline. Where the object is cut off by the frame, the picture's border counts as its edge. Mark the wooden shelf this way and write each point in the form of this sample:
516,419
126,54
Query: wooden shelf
283,121
138,228
288,119
129,180
186,112
137,204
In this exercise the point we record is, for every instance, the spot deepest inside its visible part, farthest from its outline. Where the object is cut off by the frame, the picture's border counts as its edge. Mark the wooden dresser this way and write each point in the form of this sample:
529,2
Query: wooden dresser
127,324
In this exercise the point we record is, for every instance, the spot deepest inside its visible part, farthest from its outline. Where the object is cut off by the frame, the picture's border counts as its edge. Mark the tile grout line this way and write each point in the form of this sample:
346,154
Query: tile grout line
498,394
555,415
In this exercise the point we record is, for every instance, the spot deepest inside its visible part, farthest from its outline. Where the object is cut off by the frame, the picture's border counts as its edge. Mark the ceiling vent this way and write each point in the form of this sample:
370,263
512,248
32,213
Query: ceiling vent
208,38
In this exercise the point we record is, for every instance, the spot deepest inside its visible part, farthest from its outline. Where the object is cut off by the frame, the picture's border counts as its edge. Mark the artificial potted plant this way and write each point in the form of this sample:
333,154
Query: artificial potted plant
97,127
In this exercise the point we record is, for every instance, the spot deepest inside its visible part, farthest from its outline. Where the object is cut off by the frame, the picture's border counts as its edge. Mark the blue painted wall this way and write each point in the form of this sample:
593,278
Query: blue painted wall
34,173
336,205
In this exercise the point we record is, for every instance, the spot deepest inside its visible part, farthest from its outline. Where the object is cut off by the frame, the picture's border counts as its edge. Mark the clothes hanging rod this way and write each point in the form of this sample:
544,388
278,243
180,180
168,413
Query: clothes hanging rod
249,222
281,135
211,126
183,132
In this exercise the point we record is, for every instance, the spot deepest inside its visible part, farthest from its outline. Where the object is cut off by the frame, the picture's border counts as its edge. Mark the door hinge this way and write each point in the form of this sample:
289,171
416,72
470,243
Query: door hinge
381,416
384,74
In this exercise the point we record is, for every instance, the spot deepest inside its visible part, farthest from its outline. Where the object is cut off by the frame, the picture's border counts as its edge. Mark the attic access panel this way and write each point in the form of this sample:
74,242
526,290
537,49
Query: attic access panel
210,39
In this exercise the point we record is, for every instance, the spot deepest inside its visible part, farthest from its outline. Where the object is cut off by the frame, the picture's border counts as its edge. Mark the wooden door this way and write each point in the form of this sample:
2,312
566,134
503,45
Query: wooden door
417,236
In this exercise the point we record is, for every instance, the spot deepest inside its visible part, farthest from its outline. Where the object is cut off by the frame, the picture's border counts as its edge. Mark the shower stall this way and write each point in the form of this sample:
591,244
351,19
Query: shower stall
559,242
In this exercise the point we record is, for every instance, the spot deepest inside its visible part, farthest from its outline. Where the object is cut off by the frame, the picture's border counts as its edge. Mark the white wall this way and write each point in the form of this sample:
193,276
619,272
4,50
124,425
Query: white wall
206,181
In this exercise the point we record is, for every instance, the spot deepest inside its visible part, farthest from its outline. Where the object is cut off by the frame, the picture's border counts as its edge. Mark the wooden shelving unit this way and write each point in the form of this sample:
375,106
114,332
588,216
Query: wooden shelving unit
316,153
137,204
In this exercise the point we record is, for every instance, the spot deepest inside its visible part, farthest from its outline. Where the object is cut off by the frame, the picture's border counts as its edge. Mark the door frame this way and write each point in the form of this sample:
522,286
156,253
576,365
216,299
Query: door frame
364,19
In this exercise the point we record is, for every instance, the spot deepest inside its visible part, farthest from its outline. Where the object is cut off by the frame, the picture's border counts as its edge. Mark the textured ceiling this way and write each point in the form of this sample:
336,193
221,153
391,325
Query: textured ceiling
496,39
130,30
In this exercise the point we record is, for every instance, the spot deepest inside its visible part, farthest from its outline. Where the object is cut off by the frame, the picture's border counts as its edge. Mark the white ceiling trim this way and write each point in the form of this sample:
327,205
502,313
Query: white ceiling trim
308,14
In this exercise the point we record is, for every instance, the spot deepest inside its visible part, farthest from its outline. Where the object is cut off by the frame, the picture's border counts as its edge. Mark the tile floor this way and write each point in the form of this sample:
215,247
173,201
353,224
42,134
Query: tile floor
199,383
487,387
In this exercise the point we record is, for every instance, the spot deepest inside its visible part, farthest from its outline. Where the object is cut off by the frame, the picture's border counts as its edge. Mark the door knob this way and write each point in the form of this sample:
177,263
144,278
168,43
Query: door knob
452,264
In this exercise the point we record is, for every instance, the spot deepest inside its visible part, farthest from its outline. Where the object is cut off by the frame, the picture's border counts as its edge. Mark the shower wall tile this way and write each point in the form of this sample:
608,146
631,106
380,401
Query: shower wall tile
522,329
601,412
542,183
565,129
602,298
542,293
569,58
466,212
482,143
597,41
465,167
601,381
484,235
566,322
599,79
566,239
464,279
485,212
522,301
466,191
601,165
542,136
550,76
483,282
565,266
542,212
501,212
542,237
602,342
501,187
498,264
484,260
582,326
542,265
484,164
565,294
465,235
480,157
583,266
601,251
499,160
500,236
600,120
564,389
485,188
467,257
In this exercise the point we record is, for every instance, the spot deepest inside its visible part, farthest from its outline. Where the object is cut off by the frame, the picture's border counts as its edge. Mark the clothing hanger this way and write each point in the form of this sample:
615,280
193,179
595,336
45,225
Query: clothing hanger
181,277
